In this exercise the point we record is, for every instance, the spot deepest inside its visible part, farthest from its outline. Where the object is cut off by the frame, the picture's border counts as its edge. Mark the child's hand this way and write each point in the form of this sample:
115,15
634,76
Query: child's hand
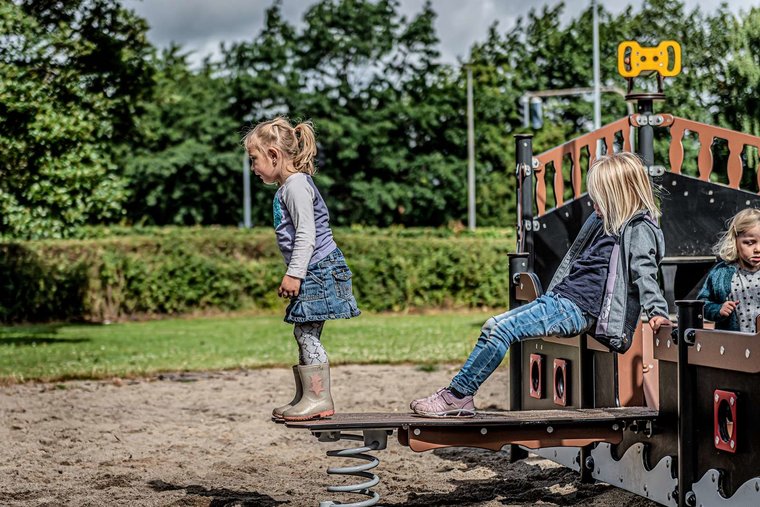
657,321
728,308
289,287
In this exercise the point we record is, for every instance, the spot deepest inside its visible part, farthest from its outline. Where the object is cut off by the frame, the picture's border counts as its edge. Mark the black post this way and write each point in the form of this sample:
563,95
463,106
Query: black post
520,262
524,150
585,377
646,131
689,318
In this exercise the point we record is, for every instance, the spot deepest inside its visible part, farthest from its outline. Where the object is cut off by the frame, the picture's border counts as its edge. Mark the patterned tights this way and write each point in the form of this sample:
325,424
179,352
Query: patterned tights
310,349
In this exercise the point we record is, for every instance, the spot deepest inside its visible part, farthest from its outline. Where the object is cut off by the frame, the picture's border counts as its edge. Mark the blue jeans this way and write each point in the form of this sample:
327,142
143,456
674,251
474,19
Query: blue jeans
548,315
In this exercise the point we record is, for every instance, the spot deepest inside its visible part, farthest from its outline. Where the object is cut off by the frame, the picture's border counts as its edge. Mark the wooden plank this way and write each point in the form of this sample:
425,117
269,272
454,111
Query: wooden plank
534,436
390,420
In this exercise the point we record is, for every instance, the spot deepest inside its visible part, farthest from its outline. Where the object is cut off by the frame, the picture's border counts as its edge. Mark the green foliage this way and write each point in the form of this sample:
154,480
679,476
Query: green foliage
186,169
740,85
388,118
96,127
182,271
69,75
428,272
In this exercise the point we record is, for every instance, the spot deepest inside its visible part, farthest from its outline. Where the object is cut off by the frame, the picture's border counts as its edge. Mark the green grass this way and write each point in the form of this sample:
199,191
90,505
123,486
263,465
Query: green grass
68,351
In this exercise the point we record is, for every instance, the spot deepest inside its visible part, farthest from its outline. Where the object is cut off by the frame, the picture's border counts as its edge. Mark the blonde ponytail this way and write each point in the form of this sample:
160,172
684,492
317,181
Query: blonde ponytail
299,143
307,148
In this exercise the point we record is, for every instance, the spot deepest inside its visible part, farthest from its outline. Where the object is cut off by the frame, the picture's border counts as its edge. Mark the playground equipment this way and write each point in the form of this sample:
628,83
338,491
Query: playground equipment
669,420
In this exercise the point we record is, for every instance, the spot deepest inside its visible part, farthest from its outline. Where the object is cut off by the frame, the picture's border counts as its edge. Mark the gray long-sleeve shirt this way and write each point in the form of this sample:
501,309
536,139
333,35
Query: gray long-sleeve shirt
301,223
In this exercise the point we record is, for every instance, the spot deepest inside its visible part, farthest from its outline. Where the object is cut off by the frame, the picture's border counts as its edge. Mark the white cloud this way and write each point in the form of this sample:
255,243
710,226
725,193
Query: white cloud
200,26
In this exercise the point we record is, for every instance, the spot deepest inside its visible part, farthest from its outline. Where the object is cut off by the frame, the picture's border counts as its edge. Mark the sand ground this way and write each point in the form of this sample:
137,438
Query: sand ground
206,439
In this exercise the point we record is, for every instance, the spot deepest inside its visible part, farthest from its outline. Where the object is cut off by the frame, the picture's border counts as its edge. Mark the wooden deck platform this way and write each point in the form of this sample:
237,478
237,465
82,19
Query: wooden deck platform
390,420
490,430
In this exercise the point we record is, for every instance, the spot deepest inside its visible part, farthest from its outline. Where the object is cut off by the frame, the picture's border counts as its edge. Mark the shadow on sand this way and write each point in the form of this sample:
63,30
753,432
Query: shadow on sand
527,484
220,497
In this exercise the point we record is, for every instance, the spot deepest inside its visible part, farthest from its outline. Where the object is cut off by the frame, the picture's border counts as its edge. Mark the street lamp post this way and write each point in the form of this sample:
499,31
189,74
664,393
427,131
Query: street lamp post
597,93
470,154
246,191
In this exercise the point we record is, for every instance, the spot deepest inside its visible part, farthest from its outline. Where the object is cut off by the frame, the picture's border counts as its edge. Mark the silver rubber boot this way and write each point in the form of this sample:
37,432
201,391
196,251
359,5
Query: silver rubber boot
277,412
316,400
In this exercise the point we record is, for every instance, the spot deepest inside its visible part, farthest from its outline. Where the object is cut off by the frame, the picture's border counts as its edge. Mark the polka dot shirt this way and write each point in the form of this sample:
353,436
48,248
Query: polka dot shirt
745,288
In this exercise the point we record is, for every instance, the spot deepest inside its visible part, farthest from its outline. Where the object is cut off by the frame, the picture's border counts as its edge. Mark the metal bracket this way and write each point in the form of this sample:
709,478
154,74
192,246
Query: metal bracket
707,491
523,169
565,456
630,473
649,119
378,439
647,428
327,436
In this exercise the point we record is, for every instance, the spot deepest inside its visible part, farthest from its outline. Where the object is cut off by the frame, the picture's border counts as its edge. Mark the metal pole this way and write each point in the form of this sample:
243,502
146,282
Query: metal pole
597,88
518,263
470,154
597,91
645,146
689,317
524,150
246,191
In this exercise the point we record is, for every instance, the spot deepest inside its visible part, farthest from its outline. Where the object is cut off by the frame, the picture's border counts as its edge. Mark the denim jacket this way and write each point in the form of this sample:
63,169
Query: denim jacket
631,279
717,290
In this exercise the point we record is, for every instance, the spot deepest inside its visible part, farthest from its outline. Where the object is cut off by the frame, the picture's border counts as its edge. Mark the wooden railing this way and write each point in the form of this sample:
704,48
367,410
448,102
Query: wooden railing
556,157
573,150
707,135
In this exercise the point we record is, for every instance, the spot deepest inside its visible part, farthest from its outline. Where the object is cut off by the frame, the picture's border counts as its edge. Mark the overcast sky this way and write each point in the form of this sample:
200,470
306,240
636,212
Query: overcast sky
201,25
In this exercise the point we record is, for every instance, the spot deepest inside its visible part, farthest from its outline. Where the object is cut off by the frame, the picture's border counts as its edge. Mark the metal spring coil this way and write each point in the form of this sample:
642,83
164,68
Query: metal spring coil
358,471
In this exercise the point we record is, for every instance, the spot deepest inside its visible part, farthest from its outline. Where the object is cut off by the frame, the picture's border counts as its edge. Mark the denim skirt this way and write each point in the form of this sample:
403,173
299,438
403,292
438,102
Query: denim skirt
325,293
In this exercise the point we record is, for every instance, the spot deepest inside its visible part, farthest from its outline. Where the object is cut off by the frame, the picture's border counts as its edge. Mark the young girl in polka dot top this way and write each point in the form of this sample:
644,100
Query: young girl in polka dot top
732,289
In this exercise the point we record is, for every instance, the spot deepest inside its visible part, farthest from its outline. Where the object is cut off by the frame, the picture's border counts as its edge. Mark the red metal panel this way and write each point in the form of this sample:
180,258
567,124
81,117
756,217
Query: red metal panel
561,385
537,376
724,420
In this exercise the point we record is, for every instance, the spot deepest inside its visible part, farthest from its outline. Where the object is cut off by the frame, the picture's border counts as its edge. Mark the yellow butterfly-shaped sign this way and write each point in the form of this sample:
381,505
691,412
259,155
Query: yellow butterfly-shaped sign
664,58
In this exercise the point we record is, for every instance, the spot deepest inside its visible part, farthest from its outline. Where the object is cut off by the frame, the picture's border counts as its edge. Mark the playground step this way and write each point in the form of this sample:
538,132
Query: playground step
490,430
391,420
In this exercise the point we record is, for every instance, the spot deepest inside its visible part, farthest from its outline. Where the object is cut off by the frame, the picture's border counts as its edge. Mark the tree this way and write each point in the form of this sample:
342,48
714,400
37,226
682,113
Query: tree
70,73
383,108
186,167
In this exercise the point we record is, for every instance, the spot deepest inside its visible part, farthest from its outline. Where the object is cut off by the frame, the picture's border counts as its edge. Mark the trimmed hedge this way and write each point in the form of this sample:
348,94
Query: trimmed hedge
181,270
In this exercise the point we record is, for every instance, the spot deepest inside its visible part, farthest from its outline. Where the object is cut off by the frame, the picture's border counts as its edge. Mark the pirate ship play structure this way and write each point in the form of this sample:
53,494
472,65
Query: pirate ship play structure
672,418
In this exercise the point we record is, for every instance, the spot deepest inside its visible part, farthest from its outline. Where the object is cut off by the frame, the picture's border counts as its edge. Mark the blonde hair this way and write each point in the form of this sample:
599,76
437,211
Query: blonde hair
297,143
743,221
619,185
